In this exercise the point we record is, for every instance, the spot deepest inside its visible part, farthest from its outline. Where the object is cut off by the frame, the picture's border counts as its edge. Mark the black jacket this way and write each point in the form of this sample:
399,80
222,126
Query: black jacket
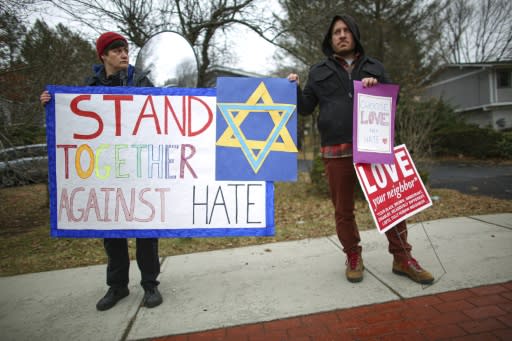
332,88
129,77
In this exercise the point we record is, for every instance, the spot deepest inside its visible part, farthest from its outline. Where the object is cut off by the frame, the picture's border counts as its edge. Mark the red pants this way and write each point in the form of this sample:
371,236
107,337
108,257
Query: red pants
342,179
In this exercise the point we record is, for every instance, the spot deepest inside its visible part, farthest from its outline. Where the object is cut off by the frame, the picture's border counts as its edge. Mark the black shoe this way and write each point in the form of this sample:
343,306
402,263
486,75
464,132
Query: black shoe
152,298
112,296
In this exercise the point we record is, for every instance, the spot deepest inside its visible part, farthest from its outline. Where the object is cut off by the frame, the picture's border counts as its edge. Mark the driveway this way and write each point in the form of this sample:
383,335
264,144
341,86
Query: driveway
479,178
494,180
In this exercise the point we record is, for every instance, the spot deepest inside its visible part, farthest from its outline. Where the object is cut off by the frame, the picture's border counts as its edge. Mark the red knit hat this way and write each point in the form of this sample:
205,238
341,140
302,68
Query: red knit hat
106,39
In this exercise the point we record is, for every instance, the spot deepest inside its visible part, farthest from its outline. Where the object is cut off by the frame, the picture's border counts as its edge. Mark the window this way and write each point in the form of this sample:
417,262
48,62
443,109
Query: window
504,78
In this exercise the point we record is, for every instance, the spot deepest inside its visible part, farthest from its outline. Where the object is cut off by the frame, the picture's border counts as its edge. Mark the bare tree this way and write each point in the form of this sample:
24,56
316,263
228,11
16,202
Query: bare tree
477,31
458,17
22,8
201,22
414,126
303,27
136,19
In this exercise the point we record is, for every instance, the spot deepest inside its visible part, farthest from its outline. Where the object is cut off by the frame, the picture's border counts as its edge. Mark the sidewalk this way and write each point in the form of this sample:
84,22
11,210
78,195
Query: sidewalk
287,291
482,313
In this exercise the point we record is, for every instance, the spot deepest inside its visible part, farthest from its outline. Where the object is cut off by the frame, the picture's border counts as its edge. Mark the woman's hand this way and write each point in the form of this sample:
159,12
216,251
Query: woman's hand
293,77
45,97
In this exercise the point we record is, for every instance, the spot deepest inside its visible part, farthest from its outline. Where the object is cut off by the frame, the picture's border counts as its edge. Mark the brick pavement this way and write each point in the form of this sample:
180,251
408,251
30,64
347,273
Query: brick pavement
481,313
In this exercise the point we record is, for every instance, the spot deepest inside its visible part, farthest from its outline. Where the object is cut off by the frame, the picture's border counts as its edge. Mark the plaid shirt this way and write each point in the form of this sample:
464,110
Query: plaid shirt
336,151
344,63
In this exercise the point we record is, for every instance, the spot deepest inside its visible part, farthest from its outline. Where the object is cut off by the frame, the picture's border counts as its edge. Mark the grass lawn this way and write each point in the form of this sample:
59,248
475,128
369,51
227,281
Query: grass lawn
300,213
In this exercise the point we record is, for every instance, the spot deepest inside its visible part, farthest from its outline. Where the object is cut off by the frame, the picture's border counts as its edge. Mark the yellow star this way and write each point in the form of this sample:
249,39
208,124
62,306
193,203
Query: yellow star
260,101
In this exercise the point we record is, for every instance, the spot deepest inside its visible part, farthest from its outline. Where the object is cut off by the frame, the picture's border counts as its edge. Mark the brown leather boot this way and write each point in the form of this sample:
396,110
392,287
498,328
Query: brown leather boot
413,270
355,267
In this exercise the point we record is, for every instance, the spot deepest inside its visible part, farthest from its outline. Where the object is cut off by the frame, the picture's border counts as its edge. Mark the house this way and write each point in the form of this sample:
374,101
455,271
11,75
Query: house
481,92
224,71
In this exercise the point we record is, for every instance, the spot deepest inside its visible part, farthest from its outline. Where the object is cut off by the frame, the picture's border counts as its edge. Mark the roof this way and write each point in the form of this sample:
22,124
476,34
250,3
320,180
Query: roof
478,65
481,65
235,72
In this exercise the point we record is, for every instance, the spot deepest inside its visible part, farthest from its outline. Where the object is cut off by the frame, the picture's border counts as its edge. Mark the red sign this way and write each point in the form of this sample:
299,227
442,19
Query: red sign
395,191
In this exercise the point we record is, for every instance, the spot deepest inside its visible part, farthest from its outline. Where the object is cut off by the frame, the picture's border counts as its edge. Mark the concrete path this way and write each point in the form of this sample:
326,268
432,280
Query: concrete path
480,313
218,289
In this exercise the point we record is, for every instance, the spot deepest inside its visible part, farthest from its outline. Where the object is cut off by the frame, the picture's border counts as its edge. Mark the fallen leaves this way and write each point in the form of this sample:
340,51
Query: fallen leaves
299,213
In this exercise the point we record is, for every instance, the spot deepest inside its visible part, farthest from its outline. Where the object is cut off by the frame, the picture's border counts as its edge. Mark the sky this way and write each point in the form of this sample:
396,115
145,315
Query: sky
254,53
251,52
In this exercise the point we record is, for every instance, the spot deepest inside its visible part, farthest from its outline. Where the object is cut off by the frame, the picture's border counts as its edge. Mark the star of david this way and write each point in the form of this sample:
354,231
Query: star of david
260,101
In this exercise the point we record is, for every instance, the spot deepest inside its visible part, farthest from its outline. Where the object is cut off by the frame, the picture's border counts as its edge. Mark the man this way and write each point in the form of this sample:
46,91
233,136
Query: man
115,70
330,85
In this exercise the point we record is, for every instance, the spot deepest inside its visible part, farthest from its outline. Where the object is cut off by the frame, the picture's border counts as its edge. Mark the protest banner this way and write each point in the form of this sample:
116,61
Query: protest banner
374,123
394,191
140,162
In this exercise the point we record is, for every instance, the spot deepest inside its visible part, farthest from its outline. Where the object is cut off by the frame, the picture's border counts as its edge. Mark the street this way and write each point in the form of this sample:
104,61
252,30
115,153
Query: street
479,178
494,180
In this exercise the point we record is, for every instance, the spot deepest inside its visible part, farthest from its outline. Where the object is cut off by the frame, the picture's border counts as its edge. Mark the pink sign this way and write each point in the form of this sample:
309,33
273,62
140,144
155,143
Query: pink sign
393,191
374,123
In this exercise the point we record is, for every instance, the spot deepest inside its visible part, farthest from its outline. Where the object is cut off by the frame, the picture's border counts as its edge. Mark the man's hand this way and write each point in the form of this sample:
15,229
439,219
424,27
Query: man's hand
293,77
368,82
45,97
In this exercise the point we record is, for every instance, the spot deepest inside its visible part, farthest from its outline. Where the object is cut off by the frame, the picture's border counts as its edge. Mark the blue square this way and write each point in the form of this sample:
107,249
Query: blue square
256,129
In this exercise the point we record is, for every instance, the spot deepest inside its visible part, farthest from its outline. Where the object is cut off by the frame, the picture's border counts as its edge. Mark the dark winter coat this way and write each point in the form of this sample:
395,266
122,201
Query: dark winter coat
331,87
129,77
